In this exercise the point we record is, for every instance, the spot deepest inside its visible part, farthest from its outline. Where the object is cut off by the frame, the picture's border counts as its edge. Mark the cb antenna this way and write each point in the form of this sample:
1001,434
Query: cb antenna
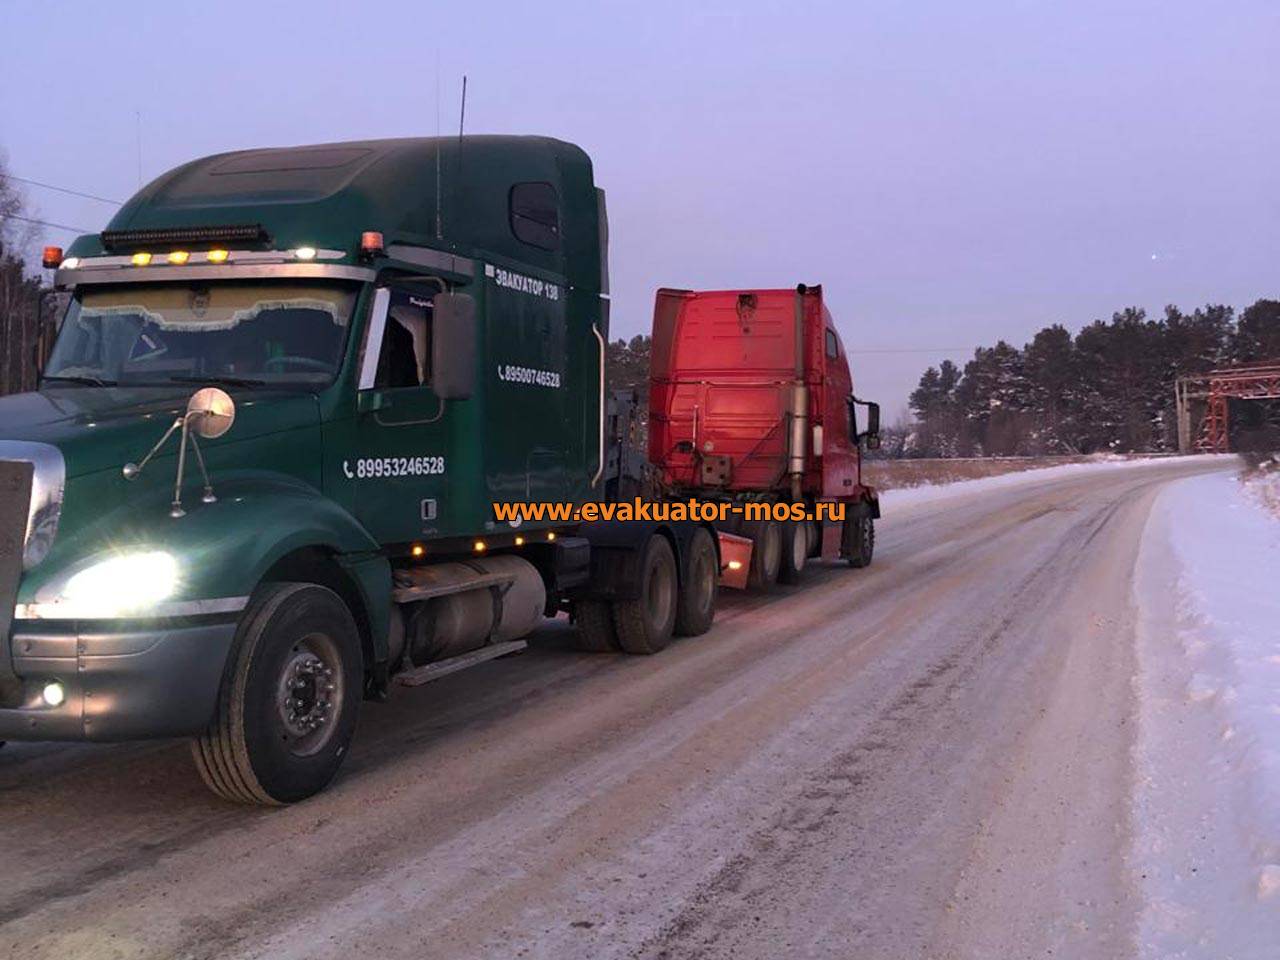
439,194
462,117
462,120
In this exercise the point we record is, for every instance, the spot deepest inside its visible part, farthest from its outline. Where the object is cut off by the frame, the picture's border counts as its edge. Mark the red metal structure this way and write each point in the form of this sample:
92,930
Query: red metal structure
1260,381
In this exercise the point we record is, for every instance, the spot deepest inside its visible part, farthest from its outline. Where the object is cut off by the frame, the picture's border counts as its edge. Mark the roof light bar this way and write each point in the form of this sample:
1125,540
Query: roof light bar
184,236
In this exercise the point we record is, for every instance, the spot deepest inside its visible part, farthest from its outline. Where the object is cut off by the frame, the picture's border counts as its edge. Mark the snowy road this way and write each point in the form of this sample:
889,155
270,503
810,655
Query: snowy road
929,758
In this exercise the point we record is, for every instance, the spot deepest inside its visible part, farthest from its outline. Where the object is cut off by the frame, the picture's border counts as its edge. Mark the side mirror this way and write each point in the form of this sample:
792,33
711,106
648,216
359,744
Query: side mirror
873,426
872,434
453,346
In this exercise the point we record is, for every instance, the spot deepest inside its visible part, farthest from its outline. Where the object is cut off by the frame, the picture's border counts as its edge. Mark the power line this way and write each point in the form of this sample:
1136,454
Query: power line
50,186
46,223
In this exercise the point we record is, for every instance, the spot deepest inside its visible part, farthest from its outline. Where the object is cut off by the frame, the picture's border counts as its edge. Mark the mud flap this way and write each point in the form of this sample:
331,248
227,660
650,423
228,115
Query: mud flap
735,560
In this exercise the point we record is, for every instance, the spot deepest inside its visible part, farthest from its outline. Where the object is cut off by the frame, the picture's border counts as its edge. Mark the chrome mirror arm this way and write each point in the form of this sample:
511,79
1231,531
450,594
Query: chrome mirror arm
176,510
208,496
210,412
131,470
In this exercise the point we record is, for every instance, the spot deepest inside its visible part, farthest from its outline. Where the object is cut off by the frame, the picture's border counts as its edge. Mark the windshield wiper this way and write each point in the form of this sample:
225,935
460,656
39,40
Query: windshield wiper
86,379
222,378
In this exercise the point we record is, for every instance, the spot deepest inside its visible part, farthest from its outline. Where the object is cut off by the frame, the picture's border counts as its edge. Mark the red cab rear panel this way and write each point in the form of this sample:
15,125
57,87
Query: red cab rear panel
721,393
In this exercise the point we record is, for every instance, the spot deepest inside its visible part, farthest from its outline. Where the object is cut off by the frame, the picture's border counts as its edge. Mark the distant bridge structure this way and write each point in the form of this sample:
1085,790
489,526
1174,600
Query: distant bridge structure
1215,390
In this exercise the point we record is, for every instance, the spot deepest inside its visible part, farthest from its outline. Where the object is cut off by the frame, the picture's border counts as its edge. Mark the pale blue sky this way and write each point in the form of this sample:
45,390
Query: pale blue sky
951,172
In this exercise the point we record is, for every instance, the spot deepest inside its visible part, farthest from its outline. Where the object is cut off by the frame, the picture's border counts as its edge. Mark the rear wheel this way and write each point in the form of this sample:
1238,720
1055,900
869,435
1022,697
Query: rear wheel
766,554
697,606
794,552
287,709
595,632
645,625
859,540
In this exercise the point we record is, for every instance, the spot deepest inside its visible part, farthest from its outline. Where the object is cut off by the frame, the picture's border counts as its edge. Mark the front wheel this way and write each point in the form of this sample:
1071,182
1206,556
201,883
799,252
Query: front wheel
766,554
859,540
287,709
646,624
697,607
794,553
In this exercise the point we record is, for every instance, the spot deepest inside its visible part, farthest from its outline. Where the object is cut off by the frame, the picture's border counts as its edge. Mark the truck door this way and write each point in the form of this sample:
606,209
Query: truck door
402,464
839,448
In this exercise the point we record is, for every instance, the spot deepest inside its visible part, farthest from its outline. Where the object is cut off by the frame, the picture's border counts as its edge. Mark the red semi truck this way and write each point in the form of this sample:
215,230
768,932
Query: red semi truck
751,400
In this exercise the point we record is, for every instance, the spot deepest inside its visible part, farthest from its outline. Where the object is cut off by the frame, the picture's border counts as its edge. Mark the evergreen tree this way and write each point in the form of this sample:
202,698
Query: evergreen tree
1257,336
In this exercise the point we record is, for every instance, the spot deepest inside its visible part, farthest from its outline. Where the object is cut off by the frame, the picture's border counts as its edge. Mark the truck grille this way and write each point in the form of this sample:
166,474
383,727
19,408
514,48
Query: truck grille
15,503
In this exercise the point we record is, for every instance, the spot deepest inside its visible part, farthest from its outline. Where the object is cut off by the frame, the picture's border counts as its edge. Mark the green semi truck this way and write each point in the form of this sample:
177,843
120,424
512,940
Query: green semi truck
255,486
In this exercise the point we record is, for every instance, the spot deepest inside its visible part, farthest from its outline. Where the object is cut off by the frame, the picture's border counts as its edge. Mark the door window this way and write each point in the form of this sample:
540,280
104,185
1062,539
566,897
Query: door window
404,359
535,215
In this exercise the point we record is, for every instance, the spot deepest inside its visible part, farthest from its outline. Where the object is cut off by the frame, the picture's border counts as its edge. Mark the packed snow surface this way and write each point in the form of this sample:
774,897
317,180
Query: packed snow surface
1207,800
933,493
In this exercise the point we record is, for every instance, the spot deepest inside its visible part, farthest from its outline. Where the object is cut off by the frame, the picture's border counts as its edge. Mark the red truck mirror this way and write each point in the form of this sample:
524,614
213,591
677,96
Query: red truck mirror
872,434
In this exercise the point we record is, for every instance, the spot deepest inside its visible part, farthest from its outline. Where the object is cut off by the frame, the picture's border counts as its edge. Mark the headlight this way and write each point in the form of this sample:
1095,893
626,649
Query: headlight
127,583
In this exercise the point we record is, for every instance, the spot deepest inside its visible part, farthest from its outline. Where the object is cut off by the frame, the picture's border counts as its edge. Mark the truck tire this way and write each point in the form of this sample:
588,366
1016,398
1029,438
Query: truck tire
766,554
645,625
794,553
859,537
697,605
595,633
289,700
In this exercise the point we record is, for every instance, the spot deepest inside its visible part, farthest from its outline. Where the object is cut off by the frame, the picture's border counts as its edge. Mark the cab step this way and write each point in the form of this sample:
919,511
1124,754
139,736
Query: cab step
442,668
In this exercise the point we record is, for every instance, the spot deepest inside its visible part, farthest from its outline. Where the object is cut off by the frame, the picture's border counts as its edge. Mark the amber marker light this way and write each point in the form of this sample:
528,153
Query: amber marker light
479,546
418,550
179,257
519,541
217,256
551,536
140,259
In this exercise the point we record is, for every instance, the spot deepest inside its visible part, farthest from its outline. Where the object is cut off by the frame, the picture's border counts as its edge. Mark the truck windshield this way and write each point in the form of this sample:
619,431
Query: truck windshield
284,334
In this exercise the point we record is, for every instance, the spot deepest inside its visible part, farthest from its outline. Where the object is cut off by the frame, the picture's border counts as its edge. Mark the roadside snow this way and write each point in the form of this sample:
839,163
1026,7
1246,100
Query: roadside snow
1206,806
933,493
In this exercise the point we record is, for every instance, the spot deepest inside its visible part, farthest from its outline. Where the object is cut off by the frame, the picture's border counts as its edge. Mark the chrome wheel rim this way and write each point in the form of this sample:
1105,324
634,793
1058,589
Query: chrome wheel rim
309,694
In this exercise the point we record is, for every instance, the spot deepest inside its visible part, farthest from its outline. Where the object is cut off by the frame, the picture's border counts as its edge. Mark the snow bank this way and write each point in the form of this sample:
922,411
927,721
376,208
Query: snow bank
933,493
1206,807
1264,485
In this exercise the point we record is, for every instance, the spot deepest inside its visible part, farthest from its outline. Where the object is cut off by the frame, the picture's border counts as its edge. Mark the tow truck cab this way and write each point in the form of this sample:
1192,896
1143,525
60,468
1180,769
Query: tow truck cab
257,478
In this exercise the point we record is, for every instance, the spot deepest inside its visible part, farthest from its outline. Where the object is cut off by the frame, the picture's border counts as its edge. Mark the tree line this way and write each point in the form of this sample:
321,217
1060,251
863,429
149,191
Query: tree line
1107,388
27,302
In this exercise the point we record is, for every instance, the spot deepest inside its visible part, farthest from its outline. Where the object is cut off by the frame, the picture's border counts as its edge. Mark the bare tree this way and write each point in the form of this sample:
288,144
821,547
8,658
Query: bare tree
26,304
